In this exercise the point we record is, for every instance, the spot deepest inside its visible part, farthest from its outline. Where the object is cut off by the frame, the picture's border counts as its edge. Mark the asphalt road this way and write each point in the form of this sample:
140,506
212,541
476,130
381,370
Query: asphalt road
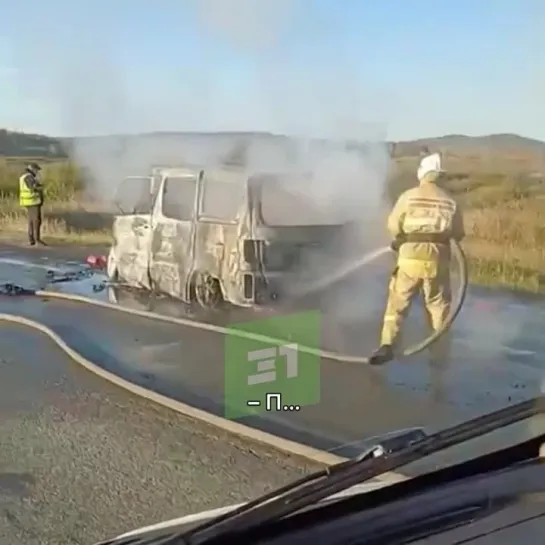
81,460
495,359
189,364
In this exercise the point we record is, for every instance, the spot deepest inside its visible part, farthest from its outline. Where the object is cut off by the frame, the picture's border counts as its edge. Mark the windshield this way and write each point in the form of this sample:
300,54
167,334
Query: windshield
325,399
393,452
228,349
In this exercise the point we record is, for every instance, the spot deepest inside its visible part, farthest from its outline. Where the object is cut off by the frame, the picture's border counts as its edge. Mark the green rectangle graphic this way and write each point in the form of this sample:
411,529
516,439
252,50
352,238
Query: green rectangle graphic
272,375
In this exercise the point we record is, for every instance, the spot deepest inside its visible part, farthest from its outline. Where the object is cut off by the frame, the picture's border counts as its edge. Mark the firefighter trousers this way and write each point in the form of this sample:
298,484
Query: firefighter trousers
436,292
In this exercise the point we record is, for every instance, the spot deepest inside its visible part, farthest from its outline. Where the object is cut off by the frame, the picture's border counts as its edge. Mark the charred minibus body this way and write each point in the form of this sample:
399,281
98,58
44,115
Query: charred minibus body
214,236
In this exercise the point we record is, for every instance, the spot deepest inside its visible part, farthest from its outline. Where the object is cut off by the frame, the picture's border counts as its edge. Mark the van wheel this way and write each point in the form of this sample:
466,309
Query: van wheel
207,290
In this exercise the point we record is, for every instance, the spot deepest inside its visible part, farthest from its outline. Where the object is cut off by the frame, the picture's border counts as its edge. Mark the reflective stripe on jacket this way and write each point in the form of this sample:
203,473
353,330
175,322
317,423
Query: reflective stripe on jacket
425,210
28,196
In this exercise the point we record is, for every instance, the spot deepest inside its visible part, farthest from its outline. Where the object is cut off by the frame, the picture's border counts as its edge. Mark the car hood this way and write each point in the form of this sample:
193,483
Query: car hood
204,516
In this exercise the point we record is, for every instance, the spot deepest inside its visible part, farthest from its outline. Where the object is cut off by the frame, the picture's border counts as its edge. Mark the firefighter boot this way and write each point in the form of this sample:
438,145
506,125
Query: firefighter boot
382,355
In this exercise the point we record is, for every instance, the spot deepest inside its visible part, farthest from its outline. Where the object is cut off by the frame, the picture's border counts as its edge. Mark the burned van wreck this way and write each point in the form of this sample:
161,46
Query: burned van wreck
216,236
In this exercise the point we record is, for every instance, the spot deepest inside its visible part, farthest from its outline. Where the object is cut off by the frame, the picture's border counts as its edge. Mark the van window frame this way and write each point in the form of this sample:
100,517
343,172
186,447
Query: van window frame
207,218
194,178
263,219
134,212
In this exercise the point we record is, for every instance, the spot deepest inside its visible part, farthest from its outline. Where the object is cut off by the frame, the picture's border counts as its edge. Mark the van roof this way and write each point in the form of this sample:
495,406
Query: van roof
179,172
224,173
221,174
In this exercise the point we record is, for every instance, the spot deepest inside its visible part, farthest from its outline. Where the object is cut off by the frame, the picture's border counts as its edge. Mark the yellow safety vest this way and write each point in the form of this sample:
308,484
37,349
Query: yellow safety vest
28,197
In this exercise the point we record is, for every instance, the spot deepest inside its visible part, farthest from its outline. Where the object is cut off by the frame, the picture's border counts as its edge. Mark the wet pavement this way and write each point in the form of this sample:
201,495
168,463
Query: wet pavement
495,359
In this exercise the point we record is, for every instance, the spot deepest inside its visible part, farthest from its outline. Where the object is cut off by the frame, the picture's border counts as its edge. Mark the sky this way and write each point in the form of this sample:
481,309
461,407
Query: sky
361,68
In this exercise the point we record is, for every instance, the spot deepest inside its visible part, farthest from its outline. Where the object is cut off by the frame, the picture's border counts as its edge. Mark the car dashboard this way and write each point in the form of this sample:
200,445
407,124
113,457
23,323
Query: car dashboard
496,499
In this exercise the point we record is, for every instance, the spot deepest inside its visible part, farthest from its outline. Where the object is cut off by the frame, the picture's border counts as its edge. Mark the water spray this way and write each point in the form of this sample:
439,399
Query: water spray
351,268
340,274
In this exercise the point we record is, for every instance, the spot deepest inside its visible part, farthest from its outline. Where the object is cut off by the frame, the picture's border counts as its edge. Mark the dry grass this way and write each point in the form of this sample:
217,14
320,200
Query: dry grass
65,221
503,198
506,244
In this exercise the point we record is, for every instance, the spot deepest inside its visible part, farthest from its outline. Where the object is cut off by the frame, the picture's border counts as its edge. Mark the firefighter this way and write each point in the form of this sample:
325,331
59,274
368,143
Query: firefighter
31,197
422,222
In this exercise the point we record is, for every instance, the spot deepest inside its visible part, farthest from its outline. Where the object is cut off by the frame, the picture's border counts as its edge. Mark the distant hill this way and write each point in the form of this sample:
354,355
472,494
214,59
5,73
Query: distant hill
460,144
15,144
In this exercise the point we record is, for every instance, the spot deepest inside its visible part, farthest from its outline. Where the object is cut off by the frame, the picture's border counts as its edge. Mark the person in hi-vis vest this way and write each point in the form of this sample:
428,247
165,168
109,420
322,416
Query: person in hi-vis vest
423,221
31,197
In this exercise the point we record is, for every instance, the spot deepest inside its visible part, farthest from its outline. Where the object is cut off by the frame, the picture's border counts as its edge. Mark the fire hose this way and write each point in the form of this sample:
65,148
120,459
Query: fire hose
459,257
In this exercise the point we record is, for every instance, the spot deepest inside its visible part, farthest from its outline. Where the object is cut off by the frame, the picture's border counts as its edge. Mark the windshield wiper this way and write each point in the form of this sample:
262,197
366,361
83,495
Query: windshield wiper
378,459
356,471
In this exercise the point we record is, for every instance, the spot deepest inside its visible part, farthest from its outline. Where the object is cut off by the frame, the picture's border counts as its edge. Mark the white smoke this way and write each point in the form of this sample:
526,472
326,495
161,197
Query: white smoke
308,98
316,97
